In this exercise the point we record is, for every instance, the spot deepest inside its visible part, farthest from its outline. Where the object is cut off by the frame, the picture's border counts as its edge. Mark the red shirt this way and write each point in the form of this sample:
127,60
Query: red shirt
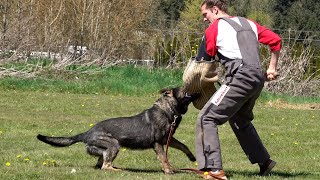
220,36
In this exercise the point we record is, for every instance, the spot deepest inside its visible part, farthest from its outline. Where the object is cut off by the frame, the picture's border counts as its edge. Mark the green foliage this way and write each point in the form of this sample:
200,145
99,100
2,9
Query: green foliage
304,15
191,19
239,8
172,8
261,17
299,15
259,11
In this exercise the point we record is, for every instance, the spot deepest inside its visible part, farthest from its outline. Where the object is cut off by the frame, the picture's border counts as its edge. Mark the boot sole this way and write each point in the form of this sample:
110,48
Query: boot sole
270,167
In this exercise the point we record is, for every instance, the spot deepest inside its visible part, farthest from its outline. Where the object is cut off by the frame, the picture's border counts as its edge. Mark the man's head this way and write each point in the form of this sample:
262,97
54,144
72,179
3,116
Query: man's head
213,9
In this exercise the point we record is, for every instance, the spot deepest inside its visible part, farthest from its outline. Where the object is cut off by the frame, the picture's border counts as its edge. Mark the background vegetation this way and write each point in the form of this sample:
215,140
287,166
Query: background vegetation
63,34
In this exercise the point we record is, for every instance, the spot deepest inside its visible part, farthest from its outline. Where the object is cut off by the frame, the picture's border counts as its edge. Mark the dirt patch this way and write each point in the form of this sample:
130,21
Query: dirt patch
285,105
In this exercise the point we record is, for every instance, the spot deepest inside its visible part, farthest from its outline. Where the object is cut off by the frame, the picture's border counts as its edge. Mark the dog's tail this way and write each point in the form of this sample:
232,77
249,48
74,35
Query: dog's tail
61,141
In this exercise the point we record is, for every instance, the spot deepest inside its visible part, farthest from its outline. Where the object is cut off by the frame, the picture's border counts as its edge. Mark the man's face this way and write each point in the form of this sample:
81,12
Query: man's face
209,14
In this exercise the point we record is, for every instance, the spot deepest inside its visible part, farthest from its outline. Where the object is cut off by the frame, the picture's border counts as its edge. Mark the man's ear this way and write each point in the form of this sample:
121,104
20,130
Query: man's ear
215,10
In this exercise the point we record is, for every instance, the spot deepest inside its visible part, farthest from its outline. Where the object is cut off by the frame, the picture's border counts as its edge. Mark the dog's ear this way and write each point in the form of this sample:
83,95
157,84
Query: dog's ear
166,92
169,93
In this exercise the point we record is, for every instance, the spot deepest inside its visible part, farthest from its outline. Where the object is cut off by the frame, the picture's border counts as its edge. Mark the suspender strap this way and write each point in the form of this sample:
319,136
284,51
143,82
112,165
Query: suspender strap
243,21
247,41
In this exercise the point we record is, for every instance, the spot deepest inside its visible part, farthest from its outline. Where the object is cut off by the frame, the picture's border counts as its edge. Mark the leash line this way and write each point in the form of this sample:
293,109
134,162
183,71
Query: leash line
172,126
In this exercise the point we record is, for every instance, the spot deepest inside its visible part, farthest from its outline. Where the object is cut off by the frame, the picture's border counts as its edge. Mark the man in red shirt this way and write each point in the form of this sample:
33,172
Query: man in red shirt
235,40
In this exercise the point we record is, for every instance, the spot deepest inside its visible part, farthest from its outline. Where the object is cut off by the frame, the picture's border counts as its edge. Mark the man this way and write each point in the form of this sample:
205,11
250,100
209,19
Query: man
235,41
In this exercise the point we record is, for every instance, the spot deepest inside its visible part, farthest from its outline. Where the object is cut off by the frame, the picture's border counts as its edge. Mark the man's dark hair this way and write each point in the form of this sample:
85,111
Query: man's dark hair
221,4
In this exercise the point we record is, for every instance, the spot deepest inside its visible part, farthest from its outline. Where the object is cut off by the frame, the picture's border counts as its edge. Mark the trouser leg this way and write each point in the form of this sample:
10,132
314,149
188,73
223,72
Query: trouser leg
208,151
242,88
247,135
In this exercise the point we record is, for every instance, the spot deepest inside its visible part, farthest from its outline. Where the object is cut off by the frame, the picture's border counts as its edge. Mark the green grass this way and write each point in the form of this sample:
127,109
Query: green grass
115,80
291,136
67,102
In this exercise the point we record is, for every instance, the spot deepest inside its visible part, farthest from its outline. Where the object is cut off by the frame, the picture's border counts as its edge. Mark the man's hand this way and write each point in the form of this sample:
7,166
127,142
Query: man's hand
271,74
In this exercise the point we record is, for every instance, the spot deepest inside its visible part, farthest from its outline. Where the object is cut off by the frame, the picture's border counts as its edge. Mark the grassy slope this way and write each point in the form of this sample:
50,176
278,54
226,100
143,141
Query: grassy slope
291,136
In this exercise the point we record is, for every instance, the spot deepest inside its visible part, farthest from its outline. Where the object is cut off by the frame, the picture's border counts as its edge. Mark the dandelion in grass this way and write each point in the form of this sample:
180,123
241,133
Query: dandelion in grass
26,159
53,162
91,125
124,149
8,164
49,162
196,163
19,156
296,143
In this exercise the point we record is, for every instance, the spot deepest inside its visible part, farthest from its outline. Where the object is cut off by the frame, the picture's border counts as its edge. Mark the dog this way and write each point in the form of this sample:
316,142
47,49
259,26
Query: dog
148,129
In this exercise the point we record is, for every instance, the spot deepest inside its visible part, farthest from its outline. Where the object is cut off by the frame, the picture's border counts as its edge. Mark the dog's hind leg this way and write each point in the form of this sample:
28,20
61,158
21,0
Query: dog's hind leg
99,162
107,150
108,157
161,156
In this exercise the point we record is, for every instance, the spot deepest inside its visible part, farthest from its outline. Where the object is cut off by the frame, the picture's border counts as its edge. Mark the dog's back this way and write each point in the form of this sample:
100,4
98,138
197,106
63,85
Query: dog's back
133,132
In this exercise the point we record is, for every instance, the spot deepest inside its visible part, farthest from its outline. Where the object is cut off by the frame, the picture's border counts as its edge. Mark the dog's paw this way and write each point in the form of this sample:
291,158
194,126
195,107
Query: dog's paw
168,171
109,168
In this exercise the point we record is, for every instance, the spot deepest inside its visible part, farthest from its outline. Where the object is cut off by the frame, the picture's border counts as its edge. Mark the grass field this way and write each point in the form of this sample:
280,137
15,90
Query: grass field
289,131
69,102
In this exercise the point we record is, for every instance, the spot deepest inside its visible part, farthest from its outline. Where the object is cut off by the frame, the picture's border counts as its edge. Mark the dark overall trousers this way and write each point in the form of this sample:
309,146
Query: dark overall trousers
246,80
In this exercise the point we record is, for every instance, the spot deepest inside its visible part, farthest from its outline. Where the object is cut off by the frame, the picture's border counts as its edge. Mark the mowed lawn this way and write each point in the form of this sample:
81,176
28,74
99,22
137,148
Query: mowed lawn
290,133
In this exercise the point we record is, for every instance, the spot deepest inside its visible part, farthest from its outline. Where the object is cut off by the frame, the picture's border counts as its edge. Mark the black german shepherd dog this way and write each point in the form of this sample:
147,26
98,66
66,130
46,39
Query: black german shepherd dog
149,129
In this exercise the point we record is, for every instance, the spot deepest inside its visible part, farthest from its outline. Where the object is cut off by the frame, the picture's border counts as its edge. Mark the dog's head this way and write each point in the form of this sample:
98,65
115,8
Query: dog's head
179,98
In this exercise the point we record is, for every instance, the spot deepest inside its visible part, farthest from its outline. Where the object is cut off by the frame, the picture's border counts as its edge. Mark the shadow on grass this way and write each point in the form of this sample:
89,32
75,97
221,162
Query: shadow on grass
136,170
281,174
230,173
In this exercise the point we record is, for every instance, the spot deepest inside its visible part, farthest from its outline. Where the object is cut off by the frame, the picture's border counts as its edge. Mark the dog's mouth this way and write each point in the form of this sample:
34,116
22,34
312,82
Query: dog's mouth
187,99
192,97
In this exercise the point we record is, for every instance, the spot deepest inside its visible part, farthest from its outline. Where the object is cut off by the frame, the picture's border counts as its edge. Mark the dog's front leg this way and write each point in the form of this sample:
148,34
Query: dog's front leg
179,145
161,156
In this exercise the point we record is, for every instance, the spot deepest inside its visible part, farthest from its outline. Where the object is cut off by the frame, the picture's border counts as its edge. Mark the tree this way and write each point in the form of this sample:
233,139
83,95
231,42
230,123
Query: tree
304,15
297,15
257,10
